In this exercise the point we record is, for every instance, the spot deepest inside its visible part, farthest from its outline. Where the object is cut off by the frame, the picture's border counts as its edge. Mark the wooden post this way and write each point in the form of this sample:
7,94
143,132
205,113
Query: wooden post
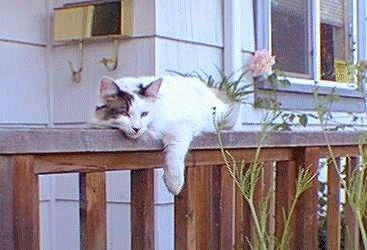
333,206
243,222
351,226
142,209
285,179
19,204
192,215
223,205
92,189
306,214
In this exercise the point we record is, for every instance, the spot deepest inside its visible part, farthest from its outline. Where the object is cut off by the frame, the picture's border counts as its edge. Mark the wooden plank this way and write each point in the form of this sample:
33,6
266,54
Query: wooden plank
352,230
226,205
307,223
19,208
210,157
333,206
269,187
192,219
340,151
89,162
202,202
108,161
285,182
32,141
242,222
142,209
92,189
214,209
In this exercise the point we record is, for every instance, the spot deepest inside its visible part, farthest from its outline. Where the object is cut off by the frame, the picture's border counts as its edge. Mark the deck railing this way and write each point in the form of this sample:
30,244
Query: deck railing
209,213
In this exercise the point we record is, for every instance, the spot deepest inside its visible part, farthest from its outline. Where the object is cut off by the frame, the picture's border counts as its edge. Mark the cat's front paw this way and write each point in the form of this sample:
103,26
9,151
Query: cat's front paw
174,183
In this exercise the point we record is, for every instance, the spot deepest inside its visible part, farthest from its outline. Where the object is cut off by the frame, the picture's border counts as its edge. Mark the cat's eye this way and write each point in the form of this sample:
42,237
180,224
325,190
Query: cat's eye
144,114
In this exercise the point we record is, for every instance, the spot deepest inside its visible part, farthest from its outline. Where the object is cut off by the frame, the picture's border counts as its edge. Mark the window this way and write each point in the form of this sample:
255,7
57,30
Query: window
310,39
336,39
291,36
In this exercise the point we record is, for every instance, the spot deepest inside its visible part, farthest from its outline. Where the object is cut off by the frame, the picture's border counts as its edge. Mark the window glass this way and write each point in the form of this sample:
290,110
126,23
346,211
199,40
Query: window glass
336,39
291,36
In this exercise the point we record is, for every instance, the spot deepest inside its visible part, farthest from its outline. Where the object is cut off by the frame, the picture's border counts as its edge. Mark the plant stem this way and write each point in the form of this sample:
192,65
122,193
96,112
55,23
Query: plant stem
257,224
362,227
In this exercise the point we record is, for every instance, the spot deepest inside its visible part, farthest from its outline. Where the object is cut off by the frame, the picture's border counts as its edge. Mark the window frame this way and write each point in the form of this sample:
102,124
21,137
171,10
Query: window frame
352,98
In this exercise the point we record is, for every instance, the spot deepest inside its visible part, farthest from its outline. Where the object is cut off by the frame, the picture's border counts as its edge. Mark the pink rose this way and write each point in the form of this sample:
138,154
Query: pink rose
261,63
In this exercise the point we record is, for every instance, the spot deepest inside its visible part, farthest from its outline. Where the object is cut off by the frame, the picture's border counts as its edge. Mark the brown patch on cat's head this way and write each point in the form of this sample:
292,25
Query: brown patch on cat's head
151,90
116,102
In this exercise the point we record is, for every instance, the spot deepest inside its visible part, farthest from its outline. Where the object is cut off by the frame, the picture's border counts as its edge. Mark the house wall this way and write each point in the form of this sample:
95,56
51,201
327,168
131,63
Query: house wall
23,70
168,35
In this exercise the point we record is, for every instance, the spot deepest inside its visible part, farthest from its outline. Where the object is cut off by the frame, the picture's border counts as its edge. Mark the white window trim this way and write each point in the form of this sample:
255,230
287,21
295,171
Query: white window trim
361,28
263,38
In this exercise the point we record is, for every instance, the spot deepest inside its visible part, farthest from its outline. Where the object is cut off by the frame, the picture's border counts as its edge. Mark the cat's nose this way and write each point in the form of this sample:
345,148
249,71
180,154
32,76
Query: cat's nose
136,129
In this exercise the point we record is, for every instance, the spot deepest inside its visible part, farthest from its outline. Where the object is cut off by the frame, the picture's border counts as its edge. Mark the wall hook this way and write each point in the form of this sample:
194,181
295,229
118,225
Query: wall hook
112,63
76,74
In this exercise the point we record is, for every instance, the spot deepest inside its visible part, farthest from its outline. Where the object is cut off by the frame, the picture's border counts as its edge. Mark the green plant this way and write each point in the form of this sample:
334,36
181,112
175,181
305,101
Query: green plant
236,88
246,177
356,186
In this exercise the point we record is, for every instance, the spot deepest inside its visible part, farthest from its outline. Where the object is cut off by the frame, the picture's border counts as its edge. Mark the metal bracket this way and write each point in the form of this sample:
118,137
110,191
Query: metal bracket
77,73
112,62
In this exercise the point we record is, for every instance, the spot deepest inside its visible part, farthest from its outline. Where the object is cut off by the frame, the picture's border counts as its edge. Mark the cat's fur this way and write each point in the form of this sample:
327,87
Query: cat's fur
171,108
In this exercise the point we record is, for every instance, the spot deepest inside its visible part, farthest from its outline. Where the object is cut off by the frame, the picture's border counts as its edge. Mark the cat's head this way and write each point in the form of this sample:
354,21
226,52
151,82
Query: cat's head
130,111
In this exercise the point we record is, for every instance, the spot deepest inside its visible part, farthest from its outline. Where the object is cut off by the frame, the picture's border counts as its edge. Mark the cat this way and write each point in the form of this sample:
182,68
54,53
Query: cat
173,109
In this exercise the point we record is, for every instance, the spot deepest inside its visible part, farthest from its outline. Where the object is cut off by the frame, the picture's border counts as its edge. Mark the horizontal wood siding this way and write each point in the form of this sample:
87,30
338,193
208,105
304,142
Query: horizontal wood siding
23,70
187,57
74,103
191,20
24,21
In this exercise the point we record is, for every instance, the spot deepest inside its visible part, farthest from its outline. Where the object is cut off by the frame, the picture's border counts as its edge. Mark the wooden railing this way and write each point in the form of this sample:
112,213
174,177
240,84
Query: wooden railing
209,213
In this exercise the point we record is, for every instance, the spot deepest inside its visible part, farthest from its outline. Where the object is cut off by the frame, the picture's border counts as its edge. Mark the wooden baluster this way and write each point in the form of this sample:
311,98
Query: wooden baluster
142,209
243,221
222,209
306,214
92,191
19,204
192,211
269,188
351,226
214,210
286,175
333,205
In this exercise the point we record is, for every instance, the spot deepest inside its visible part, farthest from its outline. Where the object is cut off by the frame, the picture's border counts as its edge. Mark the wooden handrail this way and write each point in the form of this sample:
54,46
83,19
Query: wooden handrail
209,213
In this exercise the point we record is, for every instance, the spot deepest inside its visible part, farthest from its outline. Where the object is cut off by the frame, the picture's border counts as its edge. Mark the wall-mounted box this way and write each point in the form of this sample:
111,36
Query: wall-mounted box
93,19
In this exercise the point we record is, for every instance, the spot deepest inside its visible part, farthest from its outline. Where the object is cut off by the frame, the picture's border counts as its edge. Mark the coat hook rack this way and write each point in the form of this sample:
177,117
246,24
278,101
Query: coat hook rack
77,73
112,63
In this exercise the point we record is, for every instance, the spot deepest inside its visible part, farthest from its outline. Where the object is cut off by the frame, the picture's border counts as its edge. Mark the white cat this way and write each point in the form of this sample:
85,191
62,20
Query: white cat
171,108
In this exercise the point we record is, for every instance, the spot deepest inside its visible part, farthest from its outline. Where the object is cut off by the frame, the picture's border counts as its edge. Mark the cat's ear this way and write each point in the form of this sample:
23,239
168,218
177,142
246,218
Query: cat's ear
151,91
108,87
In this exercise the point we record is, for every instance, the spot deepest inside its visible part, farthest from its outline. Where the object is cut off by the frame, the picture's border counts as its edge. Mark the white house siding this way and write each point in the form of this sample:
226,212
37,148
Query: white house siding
24,96
74,102
177,35
72,106
187,57
191,20
190,38
23,70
